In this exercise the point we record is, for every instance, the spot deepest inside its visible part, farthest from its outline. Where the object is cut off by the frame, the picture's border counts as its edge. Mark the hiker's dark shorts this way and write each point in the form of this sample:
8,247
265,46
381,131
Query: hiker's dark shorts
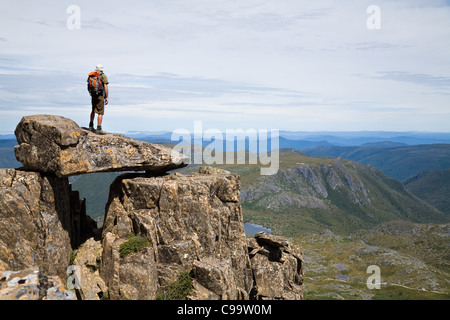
98,104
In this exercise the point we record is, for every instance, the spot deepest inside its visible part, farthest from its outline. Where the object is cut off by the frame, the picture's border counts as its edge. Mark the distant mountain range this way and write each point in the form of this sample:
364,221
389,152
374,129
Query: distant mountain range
7,157
358,138
338,138
400,155
301,139
397,162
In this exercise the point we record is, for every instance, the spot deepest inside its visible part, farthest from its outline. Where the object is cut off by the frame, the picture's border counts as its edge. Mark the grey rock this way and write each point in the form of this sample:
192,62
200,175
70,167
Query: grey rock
55,144
90,285
31,284
37,223
277,267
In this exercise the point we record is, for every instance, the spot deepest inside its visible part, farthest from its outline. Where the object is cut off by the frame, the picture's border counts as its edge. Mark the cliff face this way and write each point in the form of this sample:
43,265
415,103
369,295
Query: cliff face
39,221
189,221
193,223
158,227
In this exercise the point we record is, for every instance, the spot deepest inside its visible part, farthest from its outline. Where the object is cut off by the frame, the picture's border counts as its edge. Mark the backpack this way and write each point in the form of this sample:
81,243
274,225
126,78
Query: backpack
95,84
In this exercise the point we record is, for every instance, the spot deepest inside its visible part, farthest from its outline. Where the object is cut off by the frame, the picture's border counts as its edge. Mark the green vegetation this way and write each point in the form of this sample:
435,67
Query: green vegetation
179,289
427,242
134,244
432,187
341,195
336,266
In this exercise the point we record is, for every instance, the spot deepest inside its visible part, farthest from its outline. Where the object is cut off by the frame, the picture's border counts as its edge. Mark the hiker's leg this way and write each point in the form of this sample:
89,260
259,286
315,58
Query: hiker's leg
99,120
93,109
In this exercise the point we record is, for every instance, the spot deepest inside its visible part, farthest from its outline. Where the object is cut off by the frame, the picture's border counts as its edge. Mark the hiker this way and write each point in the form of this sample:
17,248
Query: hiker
98,89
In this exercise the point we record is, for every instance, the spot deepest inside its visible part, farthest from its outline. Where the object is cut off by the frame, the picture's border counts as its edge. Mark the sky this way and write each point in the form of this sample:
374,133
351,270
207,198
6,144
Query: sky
296,65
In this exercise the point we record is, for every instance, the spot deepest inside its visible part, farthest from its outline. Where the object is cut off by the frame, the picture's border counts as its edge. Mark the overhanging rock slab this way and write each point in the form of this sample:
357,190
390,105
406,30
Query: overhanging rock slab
55,144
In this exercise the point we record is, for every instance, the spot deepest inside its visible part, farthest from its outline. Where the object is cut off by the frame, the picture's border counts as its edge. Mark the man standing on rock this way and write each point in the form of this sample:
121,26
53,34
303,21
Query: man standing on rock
98,89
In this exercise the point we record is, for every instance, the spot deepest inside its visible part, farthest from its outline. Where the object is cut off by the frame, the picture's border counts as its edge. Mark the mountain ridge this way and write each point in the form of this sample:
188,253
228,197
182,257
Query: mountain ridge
433,187
397,162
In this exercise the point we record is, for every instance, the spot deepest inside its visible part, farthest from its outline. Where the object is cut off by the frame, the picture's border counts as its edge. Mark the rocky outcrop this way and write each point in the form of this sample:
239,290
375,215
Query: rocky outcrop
308,185
55,144
277,268
40,221
191,222
157,227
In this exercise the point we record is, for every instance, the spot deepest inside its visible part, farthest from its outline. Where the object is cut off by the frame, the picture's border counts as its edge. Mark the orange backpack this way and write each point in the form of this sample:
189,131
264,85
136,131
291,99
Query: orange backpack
95,83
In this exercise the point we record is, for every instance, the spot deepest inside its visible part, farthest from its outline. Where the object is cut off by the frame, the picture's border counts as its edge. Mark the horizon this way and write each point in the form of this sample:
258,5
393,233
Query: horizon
210,137
289,65
160,132
323,132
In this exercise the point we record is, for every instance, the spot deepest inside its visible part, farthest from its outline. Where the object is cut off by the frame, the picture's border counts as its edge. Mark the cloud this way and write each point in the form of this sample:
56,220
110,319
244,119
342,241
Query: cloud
375,46
283,64
435,81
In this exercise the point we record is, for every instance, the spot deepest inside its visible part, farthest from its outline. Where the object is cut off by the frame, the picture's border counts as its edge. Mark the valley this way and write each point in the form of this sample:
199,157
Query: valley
336,266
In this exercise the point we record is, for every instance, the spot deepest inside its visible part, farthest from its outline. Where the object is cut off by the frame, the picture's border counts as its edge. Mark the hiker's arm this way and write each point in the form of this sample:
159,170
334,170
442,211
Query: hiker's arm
106,93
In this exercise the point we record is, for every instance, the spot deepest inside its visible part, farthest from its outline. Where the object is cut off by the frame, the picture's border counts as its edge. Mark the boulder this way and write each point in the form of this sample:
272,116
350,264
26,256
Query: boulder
54,144
89,286
271,240
277,267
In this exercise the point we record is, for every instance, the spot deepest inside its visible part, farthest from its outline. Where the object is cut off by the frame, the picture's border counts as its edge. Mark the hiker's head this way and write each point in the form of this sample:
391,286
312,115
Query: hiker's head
99,67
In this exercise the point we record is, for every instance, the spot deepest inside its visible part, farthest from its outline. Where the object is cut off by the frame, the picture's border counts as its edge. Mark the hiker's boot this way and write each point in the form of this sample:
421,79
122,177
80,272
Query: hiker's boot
91,126
99,129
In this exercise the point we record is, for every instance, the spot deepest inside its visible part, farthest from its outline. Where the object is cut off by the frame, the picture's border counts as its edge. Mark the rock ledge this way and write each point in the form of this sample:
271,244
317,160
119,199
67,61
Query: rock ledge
54,144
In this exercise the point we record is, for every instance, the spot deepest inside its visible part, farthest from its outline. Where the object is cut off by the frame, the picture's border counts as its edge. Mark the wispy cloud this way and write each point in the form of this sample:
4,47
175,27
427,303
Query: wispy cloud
283,64
435,81
375,46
